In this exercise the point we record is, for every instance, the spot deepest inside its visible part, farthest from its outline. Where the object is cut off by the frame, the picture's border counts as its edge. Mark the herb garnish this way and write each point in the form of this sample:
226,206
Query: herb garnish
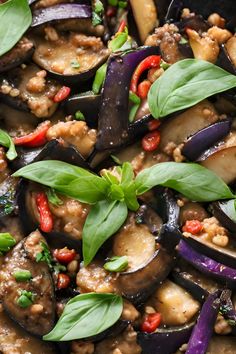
7,241
116,264
53,197
6,140
25,299
22,275
98,11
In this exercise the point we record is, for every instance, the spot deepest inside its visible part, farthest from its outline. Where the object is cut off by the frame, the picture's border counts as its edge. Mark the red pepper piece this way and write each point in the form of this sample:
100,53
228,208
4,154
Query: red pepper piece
153,61
121,26
62,94
151,141
153,124
45,215
151,322
111,11
143,88
192,226
63,281
64,255
37,138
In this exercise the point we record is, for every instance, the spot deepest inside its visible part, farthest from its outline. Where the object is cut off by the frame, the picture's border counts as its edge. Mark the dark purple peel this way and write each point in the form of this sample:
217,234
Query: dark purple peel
164,340
113,115
60,12
224,60
214,269
222,212
202,332
205,138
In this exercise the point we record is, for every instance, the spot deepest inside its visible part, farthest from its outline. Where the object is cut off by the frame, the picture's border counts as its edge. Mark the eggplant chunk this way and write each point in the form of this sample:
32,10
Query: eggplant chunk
13,339
37,320
231,50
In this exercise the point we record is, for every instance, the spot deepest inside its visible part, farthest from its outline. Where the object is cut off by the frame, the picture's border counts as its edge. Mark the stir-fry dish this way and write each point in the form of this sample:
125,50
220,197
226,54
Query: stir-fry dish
117,177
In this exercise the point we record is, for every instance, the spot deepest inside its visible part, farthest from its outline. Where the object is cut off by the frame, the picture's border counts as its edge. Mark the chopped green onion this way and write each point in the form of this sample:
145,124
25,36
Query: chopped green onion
75,64
22,275
116,264
116,160
119,40
99,78
122,4
136,100
113,2
183,41
53,197
6,242
79,115
25,299
164,65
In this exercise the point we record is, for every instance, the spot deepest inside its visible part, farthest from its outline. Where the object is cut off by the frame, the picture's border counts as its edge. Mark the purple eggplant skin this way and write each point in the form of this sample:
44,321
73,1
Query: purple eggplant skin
224,60
220,212
113,115
60,12
205,8
205,138
146,215
206,265
164,340
227,308
202,332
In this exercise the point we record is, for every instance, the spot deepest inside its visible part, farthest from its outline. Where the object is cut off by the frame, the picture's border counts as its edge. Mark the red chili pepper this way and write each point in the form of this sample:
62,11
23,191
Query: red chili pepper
36,138
45,215
121,27
62,94
153,124
153,61
151,322
64,255
143,88
151,141
63,281
111,11
192,226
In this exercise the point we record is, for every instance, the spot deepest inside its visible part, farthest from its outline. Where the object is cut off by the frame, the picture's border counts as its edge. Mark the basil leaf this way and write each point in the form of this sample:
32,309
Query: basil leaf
104,219
116,264
15,19
53,197
127,175
73,181
192,180
7,141
186,83
6,242
86,315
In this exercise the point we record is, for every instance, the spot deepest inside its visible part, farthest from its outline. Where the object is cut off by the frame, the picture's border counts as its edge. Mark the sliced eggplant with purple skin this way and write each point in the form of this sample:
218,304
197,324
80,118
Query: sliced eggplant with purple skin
60,12
165,340
224,60
23,257
208,266
203,330
205,138
224,211
20,92
113,115
19,54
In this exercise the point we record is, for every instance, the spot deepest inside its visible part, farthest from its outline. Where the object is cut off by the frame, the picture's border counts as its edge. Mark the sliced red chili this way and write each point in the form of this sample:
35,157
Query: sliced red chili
121,26
45,215
151,322
153,61
63,281
153,124
62,94
143,88
36,138
64,255
193,227
151,141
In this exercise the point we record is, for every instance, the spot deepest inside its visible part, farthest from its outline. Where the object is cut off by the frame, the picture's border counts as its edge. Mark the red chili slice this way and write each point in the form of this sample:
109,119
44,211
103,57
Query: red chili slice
64,255
45,215
37,138
143,88
151,322
62,94
151,141
63,281
121,27
193,227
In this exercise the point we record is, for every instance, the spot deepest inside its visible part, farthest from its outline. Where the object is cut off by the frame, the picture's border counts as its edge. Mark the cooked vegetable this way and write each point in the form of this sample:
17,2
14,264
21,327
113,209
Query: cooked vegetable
7,141
116,264
6,242
225,212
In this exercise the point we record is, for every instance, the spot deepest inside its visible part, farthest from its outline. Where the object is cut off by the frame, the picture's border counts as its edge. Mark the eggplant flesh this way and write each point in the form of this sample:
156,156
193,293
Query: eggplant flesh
23,256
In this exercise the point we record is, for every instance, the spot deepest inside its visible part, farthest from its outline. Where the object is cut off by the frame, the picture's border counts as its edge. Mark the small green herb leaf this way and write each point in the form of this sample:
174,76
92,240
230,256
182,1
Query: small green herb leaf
104,219
6,242
116,264
25,299
73,181
45,255
79,116
15,19
7,141
75,64
99,78
22,275
98,11
118,41
86,315
186,83
192,180
53,197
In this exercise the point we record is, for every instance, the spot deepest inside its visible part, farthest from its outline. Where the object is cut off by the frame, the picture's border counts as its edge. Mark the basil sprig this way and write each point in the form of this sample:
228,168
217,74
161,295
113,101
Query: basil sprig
86,315
186,83
15,19
112,196
6,141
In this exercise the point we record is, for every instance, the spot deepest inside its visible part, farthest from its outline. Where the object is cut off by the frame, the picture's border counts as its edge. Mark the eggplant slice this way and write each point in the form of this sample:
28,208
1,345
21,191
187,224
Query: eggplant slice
23,256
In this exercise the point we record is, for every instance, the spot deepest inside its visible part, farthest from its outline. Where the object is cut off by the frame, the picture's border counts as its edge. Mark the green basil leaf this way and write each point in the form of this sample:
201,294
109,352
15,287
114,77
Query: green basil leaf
73,181
131,197
116,192
186,83
6,140
192,180
104,219
53,197
86,315
229,209
15,19
127,175
116,264
6,242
